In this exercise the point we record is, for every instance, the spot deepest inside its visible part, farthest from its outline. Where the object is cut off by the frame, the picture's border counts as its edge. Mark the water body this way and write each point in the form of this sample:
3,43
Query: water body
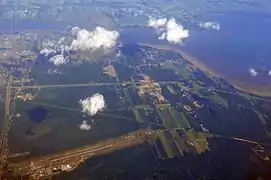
243,42
37,114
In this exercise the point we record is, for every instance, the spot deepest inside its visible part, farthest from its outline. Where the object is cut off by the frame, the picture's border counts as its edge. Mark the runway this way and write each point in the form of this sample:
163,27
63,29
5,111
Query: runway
46,165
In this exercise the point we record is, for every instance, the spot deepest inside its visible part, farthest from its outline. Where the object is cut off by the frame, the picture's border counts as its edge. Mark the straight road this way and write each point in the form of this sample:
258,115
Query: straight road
95,84
4,132
83,85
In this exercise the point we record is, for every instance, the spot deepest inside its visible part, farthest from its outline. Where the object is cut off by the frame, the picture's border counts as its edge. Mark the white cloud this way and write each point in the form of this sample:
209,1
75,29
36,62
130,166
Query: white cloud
51,46
61,41
58,59
169,29
253,72
269,73
210,25
175,33
85,126
92,40
47,51
156,23
75,30
84,40
92,105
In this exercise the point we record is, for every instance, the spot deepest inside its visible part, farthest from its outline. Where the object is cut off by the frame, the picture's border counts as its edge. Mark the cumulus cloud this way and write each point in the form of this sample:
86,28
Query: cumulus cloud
85,126
156,23
210,25
174,33
46,51
253,72
269,73
75,30
59,59
92,40
61,41
169,29
51,46
92,105
83,40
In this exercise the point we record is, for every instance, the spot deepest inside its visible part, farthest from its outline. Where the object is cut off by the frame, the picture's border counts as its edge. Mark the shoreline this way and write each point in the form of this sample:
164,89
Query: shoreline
258,91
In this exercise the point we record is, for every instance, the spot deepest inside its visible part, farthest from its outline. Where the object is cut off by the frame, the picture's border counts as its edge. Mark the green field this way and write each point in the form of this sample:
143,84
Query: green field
137,115
166,145
261,117
171,90
174,118
169,118
200,143
162,106
142,106
184,121
128,98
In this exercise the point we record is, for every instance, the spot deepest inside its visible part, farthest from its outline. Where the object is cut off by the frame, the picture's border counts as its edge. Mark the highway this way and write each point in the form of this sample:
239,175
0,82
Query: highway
78,110
7,119
67,85
95,84
84,85
46,165
241,139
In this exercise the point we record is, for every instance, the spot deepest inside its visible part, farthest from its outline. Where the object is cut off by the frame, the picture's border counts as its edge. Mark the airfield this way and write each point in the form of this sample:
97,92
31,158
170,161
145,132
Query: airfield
152,96
168,115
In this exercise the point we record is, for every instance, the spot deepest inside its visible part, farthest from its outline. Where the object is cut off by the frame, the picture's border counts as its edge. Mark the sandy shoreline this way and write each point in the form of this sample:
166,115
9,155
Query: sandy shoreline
259,91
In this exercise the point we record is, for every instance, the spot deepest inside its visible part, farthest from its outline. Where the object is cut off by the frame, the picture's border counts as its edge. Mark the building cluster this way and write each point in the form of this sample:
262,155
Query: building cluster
52,170
261,152
193,101
18,47
151,90
6,42
187,102
26,55
25,97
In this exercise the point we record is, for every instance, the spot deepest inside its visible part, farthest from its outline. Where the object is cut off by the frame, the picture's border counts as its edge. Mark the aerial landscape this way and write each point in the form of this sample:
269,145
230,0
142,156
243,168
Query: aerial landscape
113,89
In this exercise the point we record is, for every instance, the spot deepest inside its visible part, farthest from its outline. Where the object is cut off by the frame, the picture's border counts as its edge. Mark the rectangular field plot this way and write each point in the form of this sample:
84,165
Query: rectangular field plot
137,115
160,150
169,118
167,147
141,113
183,120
